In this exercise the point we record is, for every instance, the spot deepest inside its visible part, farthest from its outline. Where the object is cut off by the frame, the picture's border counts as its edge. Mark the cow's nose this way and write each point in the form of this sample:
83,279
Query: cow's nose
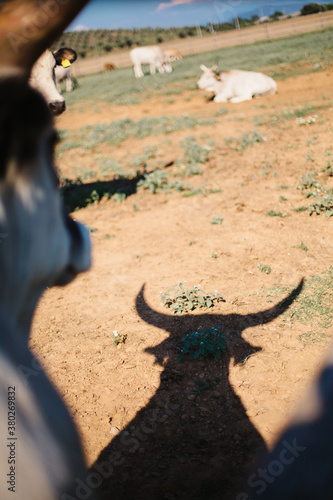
57,107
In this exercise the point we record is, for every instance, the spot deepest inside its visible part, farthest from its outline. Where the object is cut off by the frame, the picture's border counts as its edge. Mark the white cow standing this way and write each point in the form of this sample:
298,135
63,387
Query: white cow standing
235,85
151,55
43,77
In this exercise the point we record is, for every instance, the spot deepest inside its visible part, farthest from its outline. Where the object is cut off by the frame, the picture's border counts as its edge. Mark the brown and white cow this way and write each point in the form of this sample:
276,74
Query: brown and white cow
40,246
45,76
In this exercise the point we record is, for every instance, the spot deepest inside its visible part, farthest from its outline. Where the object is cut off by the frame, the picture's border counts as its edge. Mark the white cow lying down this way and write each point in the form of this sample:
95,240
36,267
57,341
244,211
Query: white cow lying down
235,85
151,55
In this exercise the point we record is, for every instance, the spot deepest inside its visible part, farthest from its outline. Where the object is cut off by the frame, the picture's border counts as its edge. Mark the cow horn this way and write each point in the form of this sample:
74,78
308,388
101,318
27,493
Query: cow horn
29,27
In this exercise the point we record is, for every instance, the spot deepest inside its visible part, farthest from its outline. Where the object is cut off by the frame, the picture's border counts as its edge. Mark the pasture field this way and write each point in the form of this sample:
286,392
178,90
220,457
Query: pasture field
236,198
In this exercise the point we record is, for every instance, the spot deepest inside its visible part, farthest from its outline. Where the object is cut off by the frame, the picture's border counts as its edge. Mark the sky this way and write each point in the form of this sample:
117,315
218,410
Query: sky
113,14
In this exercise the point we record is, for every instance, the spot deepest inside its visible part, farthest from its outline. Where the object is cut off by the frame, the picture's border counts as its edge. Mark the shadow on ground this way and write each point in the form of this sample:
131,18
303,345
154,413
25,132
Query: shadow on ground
77,194
193,440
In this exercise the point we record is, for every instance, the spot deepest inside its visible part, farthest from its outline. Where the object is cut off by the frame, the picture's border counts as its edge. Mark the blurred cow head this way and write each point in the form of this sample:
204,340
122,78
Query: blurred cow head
43,79
40,246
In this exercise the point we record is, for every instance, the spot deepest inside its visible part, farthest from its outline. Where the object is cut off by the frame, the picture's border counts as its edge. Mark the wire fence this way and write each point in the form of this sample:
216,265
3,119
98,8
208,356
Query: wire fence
196,45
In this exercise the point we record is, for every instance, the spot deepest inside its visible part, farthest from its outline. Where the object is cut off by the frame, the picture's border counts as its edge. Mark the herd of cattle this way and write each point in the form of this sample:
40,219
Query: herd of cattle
41,246
233,86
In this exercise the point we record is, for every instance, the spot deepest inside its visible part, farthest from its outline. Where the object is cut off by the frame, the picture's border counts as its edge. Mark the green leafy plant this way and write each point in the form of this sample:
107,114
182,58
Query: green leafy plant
216,220
268,164
308,184
328,169
159,181
301,246
180,299
311,188
273,213
194,156
323,204
203,343
118,338
302,208
312,141
246,140
264,269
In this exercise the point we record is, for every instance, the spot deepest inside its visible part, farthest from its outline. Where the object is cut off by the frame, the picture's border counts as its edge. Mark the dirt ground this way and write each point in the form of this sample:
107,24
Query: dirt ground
170,429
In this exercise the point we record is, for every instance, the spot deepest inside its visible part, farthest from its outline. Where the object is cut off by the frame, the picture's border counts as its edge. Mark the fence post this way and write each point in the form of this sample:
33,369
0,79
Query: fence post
238,29
266,32
321,20
294,26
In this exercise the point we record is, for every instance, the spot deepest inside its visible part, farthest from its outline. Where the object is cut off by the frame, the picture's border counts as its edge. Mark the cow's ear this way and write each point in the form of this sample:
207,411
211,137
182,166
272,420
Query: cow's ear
203,67
65,56
28,28
214,68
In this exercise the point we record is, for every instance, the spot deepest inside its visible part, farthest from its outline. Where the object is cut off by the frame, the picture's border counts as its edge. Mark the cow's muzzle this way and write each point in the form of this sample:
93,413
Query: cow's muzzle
57,107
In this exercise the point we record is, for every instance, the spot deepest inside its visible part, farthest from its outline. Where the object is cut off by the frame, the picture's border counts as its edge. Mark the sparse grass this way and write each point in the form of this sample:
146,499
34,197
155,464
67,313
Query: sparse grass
273,213
195,155
246,140
309,158
301,246
312,337
314,305
328,169
159,181
216,220
221,111
201,190
302,208
264,269
277,117
311,188
113,133
271,160
312,141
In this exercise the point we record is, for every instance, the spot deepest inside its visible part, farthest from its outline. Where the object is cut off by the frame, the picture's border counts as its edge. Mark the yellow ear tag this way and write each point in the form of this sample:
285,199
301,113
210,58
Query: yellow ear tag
65,63
217,77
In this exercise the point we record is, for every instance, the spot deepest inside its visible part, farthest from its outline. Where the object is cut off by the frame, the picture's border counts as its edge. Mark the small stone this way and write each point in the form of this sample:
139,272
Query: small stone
114,431
191,397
